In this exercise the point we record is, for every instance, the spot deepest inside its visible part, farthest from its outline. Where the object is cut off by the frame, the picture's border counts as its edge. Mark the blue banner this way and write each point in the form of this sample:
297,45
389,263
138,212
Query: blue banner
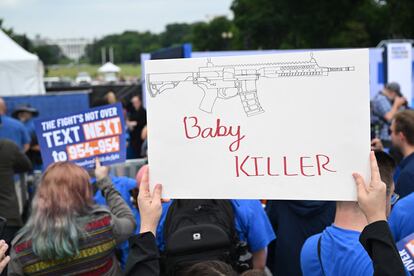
83,136
406,250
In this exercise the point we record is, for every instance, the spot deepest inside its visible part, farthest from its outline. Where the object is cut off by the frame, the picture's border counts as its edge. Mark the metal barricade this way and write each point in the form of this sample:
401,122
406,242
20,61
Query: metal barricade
129,168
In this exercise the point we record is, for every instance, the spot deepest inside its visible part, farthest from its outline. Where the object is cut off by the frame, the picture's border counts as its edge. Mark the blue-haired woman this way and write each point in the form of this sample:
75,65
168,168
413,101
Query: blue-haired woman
67,234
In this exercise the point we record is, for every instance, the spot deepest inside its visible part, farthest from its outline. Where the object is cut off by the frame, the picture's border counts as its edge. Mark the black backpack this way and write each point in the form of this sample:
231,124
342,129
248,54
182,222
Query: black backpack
197,230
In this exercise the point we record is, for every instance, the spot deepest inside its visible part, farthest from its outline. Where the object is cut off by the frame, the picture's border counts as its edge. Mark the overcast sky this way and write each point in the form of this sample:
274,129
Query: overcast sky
96,18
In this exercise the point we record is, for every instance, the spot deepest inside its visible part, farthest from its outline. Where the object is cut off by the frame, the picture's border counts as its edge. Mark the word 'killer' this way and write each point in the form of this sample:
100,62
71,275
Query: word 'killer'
308,166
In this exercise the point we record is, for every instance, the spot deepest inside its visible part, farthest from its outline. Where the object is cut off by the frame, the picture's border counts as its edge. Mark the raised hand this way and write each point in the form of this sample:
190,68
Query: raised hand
4,260
372,197
100,171
149,205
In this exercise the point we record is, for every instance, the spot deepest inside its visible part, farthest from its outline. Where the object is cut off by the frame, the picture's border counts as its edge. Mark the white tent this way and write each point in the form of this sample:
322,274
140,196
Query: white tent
109,70
21,73
109,67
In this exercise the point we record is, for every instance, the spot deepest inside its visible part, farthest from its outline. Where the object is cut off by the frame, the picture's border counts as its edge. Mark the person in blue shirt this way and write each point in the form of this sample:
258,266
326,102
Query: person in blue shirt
402,137
401,220
251,222
12,129
337,250
294,221
123,185
25,114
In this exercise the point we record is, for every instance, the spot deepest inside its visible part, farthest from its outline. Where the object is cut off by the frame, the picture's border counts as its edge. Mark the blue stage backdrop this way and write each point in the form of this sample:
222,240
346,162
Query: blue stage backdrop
51,105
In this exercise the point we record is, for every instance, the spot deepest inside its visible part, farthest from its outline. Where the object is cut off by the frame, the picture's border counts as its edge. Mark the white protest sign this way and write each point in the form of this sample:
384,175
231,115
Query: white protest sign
284,126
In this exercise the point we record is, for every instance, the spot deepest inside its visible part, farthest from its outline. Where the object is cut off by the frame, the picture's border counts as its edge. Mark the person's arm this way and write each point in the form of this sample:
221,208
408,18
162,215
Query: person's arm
143,258
259,259
122,217
25,139
376,237
398,102
26,147
376,145
21,163
131,124
259,233
144,133
377,240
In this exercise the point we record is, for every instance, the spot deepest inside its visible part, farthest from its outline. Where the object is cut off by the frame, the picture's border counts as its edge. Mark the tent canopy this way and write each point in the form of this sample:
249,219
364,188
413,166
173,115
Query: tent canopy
21,73
109,67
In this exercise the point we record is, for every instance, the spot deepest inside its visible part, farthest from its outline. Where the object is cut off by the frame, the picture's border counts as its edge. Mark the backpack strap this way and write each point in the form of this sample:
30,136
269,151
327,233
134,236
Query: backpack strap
319,255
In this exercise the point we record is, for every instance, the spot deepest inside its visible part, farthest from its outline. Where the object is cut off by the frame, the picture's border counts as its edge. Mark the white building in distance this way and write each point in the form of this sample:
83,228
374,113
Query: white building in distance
73,48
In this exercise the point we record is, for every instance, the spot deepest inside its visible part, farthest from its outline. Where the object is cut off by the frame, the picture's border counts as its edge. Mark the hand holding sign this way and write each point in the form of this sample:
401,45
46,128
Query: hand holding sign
372,197
100,171
149,205
376,144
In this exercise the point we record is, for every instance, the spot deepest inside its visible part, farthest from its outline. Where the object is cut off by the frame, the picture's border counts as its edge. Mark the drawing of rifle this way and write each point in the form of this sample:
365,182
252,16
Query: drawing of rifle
227,81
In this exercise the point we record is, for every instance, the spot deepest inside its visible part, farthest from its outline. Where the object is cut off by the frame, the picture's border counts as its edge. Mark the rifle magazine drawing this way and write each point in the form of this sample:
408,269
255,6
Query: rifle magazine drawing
228,81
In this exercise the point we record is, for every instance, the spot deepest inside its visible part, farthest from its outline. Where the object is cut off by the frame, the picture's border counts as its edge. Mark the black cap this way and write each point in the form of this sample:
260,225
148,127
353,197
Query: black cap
25,108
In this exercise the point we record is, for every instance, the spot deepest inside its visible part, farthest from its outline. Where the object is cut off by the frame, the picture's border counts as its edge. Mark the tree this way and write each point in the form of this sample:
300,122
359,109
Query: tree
7,31
176,34
215,35
203,35
400,14
49,54
127,46
22,40
271,24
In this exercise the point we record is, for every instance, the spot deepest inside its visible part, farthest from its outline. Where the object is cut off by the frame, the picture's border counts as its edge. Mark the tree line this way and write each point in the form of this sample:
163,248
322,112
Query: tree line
265,24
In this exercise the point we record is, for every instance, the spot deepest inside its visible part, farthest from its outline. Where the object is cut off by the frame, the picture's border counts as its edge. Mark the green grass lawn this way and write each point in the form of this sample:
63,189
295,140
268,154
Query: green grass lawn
71,71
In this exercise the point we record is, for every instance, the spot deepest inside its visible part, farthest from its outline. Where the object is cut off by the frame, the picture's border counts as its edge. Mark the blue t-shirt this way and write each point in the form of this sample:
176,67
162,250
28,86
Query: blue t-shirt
341,254
401,220
405,176
123,185
14,130
251,221
30,127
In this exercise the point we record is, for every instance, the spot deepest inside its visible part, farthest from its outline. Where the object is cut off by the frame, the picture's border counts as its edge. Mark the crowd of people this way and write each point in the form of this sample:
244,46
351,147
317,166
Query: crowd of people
83,222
